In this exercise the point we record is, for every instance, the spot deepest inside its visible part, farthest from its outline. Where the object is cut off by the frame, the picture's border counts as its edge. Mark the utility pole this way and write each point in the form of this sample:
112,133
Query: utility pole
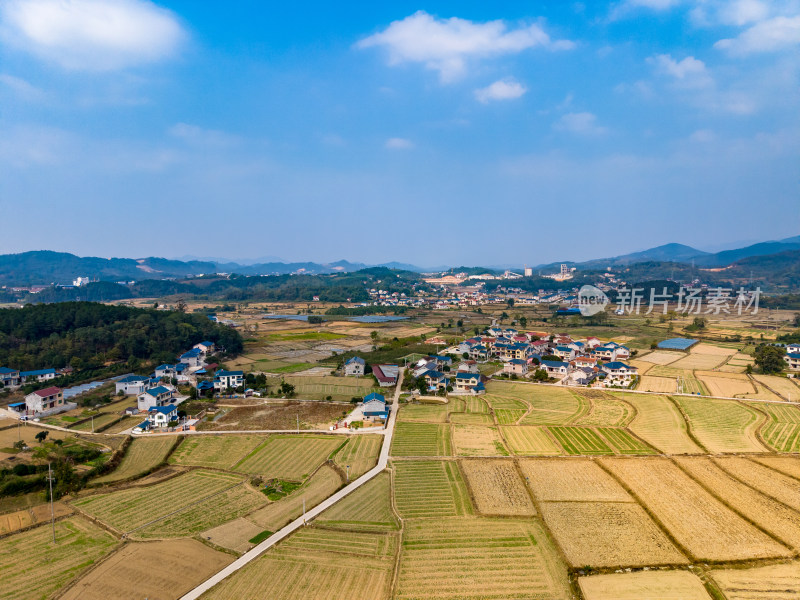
298,431
304,512
52,512
348,473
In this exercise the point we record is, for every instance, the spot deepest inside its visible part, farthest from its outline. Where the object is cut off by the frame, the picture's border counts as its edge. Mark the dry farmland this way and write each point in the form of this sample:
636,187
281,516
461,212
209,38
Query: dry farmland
289,456
662,385
579,480
161,569
430,489
369,508
142,455
497,488
700,362
659,422
477,440
722,425
22,519
425,412
782,429
577,440
551,405
279,416
234,535
316,563
714,532
777,582
608,534
783,386
32,567
606,410
644,585
788,465
781,487
360,454
662,357
466,559
215,451
726,385
528,440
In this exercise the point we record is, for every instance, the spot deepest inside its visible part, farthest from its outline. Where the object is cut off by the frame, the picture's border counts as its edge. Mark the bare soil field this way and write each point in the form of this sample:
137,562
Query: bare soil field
21,519
497,488
279,415
701,524
164,569
526,440
609,534
659,422
554,480
780,521
776,582
662,357
644,585
711,350
776,485
642,365
476,440
233,535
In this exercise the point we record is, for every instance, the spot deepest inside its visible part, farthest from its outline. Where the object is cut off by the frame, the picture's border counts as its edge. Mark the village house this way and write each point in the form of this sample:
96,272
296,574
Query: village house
193,358
436,380
467,382
565,353
793,360
133,385
354,367
386,375
9,377
468,366
516,366
593,342
442,361
583,361
39,376
790,349
205,348
228,379
157,396
555,368
479,353
618,373
374,407
161,416
44,400
581,376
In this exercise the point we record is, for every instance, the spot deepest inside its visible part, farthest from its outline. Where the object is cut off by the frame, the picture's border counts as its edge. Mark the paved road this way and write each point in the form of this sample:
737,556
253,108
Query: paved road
251,555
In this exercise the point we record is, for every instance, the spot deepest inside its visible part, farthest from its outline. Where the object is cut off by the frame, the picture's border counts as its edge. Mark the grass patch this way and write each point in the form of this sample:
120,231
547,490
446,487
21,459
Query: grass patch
257,539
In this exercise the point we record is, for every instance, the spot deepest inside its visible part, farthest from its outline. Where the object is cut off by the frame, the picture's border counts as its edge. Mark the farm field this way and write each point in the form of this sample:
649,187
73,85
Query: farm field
130,509
507,410
722,425
360,453
644,585
606,410
275,515
788,465
320,387
661,357
552,405
424,413
623,442
726,387
608,534
421,439
215,451
781,582
782,429
778,520
696,361
660,423
661,385
714,531
160,569
27,433
781,385
783,488
430,489
33,568
526,440
471,559
579,480
467,418
291,457
316,563
578,440
142,455
475,404
278,416
14,521
125,424
497,488
761,393
369,508
234,535
477,440
100,420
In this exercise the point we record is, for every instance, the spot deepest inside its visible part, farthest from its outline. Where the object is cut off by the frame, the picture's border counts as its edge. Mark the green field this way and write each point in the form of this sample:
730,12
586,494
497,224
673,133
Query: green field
722,425
32,567
369,508
291,457
507,410
421,439
360,453
526,440
221,451
578,440
130,509
424,413
100,420
475,404
430,489
479,558
142,455
782,429
320,387
551,405
623,442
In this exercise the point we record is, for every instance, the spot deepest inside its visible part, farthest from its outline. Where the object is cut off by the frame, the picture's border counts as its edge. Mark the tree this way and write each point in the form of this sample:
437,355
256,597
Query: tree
510,303
460,323
523,322
180,305
315,320
287,389
421,385
374,336
769,358
540,375
41,436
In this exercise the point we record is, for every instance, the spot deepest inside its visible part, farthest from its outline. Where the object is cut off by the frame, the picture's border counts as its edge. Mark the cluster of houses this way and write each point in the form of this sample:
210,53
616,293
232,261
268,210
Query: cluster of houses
14,378
437,371
587,362
792,357
386,375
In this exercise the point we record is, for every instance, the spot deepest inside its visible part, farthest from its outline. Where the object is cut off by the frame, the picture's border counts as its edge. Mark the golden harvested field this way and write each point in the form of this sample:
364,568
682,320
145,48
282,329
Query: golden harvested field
660,357
472,559
648,383
762,393
32,567
27,433
549,404
21,519
710,350
430,489
360,453
783,386
221,451
142,455
471,418
723,425
165,569
776,485
316,563
642,365
476,440
701,524
275,515
421,439
608,534
497,488
126,423
233,535
529,440
644,585
782,429
289,456
606,410
780,521
726,387
788,465
659,422
369,508
704,362
776,582
577,480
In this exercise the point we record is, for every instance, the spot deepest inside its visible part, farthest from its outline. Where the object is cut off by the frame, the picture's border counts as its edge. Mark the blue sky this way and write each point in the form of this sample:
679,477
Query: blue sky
438,133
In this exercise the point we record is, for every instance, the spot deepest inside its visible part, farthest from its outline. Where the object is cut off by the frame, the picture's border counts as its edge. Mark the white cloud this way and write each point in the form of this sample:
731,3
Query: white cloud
192,134
729,12
399,144
503,89
21,87
772,35
703,136
445,45
91,35
582,123
687,73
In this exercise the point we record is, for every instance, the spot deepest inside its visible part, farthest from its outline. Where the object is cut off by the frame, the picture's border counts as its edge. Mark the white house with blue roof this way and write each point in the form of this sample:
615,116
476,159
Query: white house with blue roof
38,375
193,358
618,373
374,407
792,360
555,368
9,377
161,416
205,347
228,379
157,396
468,382
354,367
133,385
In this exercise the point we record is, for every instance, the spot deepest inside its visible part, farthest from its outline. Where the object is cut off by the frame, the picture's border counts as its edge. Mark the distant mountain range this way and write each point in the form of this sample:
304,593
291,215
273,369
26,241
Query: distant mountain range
47,267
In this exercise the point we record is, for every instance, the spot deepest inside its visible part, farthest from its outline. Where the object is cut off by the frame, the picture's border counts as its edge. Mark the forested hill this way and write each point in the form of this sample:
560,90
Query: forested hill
87,335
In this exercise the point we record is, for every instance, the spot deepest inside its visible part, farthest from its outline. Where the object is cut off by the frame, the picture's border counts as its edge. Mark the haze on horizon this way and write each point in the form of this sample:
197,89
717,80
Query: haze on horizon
438,133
